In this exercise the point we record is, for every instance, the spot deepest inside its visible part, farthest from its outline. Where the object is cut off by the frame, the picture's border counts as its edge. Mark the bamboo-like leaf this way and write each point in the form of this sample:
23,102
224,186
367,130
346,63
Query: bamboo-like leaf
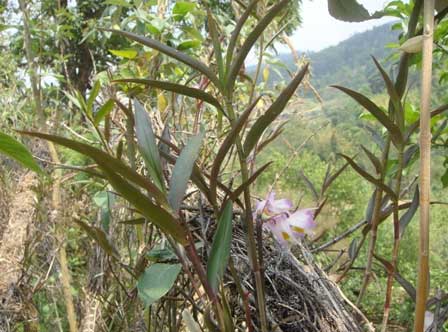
273,111
177,88
392,128
350,11
171,52
154,213
103,159
309,184
238,191
216,42
250,41
373,159
99,236
147,145
409,154
92,96
407,286
409,214
368,177
17,151
370,206
393,94
236,31
219,254
329,180
182,171
103,112
353,248
136,221
272,137
226,145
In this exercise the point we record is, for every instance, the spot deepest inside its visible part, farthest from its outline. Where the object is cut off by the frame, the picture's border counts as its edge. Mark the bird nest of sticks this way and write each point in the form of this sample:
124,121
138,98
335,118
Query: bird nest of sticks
299,295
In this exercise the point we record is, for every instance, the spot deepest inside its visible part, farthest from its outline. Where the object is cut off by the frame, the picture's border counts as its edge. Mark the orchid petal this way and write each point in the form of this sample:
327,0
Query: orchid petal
280,230
279,206
302,222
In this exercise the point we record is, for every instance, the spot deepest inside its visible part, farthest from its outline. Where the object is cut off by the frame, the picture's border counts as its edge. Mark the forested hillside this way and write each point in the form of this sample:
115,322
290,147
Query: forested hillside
343,64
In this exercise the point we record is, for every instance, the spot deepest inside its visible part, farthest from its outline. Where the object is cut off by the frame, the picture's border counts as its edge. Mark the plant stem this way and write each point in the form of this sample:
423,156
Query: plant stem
249,227
425,166
396,221
56,213
376,215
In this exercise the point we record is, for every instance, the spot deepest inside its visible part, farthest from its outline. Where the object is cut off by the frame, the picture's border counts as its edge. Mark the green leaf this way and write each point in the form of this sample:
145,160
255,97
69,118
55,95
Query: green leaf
216,43
177,88
250,41
226,145
100,237
92,96
220,251
238,191
171,52
392,128
103,112
147,145
128,53
236,32
409,214
182,8
159,254
182,171
154,213
156,281
393,95
188,44
273,111
378,183
17,151
104,160
373,159
350,11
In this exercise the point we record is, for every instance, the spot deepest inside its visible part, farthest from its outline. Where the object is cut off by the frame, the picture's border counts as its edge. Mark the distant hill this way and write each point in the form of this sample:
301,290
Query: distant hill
348,63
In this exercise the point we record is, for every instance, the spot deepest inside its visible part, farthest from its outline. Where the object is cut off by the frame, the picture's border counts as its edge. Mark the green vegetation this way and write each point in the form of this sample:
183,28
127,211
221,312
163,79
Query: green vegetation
149,158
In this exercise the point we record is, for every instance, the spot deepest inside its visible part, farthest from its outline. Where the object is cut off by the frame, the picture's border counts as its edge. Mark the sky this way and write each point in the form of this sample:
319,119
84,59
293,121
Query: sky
319,30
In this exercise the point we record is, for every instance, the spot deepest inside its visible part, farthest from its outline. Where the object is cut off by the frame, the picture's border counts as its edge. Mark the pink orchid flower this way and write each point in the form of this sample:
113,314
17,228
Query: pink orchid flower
287,227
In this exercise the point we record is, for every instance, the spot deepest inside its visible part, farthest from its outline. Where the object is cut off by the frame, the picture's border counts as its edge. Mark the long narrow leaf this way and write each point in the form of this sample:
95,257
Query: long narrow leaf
250,41
216,42
155,214
177,88
147,145
99,236
17,151
409,214
392,128
236,31
103,112
273,111
103,159
226,145
393,94
219,254
373,159
238,191
368,177
171,52
182,171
